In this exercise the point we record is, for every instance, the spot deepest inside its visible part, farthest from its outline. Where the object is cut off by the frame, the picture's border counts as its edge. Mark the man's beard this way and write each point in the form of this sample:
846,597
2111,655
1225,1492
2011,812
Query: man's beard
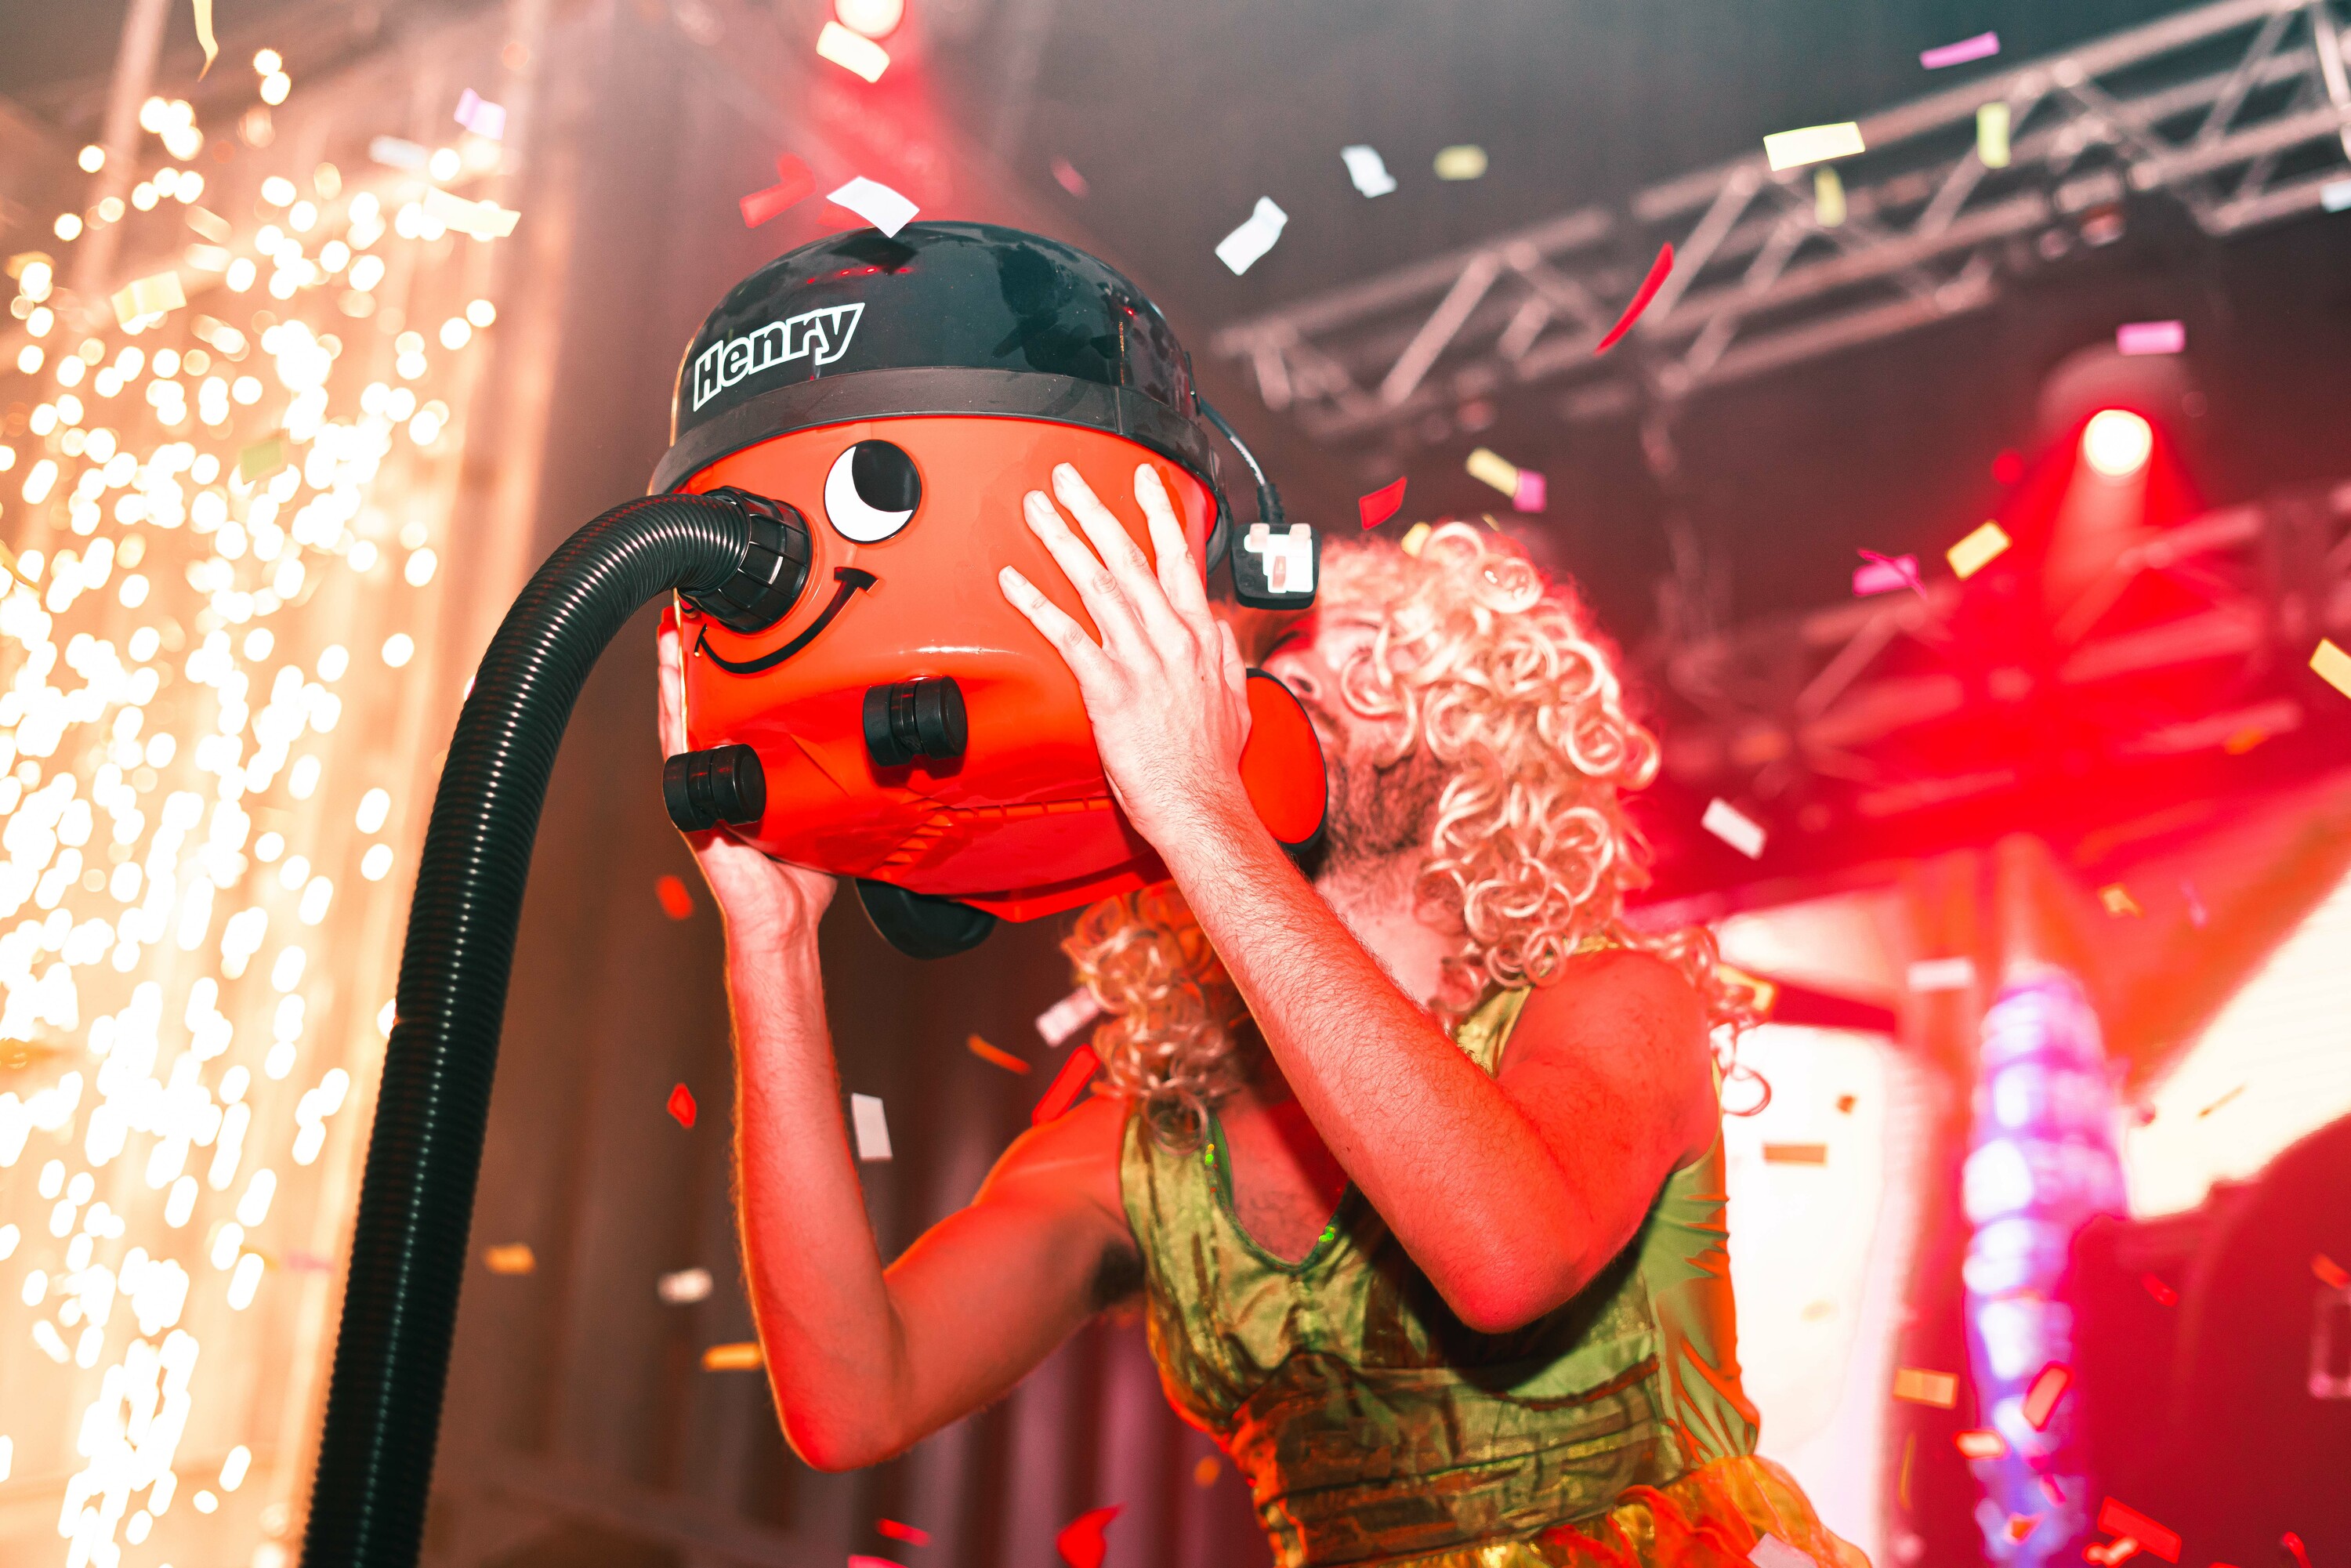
1380,815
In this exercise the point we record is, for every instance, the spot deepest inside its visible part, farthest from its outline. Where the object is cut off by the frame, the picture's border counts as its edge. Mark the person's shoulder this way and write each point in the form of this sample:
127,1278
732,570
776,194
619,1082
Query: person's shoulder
1076,1154
1615,996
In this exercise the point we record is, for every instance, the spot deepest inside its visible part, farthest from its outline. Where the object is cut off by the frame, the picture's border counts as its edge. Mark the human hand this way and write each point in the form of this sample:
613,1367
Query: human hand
764,902
1165,688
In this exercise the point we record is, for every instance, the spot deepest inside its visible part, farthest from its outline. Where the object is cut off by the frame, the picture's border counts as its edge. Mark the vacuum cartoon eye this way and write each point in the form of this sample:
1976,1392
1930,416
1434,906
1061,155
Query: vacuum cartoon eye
872,491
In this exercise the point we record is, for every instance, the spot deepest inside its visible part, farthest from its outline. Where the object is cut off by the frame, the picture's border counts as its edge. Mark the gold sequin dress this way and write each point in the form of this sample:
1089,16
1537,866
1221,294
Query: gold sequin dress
1374,1429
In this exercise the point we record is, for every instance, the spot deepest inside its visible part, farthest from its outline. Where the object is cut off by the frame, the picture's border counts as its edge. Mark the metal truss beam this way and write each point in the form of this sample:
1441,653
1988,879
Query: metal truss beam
2240,110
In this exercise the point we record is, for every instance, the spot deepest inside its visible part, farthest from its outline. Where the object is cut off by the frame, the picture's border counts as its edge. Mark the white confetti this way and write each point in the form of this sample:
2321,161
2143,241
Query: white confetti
1943,974
1365,168
1773,1552
1240,249
1733,826
877,203
684,1287
1068,1015
872,1130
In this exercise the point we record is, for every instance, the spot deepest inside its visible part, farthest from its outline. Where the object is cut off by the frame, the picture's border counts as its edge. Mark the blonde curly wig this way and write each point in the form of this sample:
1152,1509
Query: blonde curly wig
1499,676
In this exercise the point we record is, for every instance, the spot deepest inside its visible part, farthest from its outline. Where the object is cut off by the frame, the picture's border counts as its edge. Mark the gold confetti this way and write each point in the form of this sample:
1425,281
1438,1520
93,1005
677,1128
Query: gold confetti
1205,1472
1978,550
1413,537
1992,135
988,1054
515,1257
1493,468
204,35
1462,162
1828,199
1940,1389
2333,664
148,296
1812,144
741,1357
2118,901
1795,1153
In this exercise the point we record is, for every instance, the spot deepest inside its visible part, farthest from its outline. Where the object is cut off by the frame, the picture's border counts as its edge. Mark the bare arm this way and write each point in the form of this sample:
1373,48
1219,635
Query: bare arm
866,1361
1511,1193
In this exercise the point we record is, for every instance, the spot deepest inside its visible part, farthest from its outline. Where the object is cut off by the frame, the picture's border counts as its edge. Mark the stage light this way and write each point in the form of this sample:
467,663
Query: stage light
874,19
2116,443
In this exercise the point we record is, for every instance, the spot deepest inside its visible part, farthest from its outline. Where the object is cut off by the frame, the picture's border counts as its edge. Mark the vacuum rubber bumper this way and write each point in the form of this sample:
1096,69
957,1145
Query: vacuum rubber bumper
704,789
424,1154
910,719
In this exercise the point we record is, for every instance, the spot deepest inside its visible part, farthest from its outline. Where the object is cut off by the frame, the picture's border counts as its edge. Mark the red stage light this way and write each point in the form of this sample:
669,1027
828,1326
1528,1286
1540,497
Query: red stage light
2118,443
874,18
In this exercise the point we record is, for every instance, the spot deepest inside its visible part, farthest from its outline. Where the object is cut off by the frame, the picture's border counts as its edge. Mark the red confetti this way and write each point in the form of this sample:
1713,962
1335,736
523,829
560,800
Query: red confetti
2049,1489
2293,1543
1380,505
681,1105
1081,1541
1659,270
908,1533
2118,1520
2330,1273
793,182
675,901
1067,1085
2164,1294
2040,1399
857,1561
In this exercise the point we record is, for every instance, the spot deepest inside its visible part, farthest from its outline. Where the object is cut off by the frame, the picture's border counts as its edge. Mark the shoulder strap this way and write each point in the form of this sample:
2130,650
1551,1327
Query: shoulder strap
1487,1030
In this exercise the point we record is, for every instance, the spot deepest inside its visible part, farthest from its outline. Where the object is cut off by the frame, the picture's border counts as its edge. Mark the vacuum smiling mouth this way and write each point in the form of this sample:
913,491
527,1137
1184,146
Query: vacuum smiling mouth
849,579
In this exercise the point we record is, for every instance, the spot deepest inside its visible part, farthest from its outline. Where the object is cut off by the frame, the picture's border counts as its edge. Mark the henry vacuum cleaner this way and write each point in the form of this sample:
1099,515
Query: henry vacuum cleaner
853,429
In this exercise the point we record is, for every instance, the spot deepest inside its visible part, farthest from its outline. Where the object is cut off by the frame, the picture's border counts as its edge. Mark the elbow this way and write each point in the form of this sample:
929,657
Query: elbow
834,1447
1506,1298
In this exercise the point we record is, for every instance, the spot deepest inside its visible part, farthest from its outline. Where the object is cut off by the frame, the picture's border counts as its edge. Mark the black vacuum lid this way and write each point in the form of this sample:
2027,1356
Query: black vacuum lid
942,318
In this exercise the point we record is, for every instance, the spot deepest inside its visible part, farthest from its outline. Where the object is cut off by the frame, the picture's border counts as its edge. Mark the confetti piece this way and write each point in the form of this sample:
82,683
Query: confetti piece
1240,249
1659,270
675,901
204,35
2165,1296
482,220
2333,664
1943,974
1068,1083
395,152
2292,1543
513,1259
2335,196
1413,537
1793,148
1068,1015
684,1288
260,458
1491,468
1885,574
681,1105
2120,1550
2244,740
1771,1551
210,225
1795,1153
873,1129
1828,199
853,52
2197,915
908,1533
1844,1104
2049,1489
2330,1273
1978,550
2223,1100
1909,1452
1380,505
1980,1444
855,1560
1530,494
1081,1541
1733,826
1205,1472
1940,1389
480,116
2118,1520
1365,168
8,563
1982,46
1992,136
741,1357
2048,1386
2020,1525
2150,338
793,184
988,1054
1462,162
2118,901
148,296
876,203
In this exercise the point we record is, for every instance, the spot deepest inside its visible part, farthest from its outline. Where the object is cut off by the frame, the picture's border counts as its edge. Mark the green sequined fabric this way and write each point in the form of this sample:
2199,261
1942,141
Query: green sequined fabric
1373,1426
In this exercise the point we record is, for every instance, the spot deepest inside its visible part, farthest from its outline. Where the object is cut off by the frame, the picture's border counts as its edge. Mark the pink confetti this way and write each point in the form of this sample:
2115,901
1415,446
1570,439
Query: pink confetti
1983,46
2150,338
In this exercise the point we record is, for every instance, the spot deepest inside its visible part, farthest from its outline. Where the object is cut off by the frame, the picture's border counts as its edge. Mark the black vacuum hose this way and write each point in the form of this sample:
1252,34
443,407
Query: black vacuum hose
408,1247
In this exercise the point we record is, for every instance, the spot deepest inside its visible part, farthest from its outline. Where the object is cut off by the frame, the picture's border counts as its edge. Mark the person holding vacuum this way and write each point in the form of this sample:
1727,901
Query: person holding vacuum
1415,1166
